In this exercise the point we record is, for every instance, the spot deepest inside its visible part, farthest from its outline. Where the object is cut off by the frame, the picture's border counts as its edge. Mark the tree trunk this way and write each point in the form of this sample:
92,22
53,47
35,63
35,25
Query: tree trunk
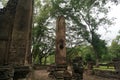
45,61
40,60
97,63
97,58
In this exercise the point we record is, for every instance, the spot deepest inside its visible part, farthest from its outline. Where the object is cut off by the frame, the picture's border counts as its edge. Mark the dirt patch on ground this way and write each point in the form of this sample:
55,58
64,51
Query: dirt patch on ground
38,75
43,75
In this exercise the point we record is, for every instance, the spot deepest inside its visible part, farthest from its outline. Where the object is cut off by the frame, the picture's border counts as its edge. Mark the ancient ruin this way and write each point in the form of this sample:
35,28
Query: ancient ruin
60,56
59,69
15,37
15,41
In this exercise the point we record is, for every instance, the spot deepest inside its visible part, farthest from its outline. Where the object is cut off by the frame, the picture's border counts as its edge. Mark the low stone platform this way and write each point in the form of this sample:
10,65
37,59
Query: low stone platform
107,74
13,72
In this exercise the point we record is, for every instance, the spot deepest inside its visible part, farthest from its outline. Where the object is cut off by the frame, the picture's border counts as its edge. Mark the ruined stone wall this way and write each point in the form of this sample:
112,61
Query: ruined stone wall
7,15
20,34
15,23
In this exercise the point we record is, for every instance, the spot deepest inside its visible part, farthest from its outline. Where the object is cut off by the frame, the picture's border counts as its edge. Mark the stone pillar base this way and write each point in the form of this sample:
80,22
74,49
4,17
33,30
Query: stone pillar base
59,72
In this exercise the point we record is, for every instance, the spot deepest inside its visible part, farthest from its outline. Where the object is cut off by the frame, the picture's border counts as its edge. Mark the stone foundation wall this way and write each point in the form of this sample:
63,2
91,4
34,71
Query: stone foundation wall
107,74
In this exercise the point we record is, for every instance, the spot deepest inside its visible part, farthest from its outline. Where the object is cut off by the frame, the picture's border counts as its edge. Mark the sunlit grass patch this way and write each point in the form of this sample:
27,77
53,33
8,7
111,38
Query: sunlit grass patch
105,68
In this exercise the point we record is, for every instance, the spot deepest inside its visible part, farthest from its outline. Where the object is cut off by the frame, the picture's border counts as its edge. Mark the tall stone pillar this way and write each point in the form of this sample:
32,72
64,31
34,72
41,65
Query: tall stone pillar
59,70
60,56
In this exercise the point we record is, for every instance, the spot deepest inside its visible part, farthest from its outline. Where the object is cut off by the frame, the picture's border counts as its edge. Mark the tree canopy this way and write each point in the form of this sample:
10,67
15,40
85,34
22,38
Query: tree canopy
83,19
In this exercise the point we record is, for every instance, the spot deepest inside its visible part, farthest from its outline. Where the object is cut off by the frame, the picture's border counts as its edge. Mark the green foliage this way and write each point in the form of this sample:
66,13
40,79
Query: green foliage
81,13
82,20
85,51
115,46
73,52
42,39
51,59
99,46
107,57
105,68
88,57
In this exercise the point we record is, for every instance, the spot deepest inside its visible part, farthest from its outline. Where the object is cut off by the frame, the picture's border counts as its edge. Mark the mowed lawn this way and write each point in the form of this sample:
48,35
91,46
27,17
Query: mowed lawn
110,68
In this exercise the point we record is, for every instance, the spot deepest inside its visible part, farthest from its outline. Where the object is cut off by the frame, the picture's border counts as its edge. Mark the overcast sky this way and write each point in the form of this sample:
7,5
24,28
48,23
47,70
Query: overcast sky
114,29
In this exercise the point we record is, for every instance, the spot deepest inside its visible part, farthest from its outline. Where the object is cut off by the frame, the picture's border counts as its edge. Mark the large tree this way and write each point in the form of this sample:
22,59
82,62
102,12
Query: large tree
83,21
115,46
84,17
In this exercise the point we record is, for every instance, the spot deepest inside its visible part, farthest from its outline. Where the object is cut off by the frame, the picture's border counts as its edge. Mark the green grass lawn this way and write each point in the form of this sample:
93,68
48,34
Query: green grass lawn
111,68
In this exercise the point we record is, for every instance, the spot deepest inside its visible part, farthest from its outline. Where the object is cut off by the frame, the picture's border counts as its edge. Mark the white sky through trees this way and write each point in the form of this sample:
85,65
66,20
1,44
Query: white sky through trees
0,5
113,30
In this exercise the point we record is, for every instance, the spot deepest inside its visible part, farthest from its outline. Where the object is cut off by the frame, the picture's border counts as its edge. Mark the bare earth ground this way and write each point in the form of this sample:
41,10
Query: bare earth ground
43,75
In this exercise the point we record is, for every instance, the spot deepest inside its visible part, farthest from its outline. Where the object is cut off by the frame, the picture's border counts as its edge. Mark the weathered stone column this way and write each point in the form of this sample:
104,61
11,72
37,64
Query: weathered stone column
60,56
59,70
7,15
21,32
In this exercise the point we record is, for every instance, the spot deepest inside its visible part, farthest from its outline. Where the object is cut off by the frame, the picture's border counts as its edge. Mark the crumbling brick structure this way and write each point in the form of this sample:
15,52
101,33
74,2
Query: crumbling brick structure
15,32
7,16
